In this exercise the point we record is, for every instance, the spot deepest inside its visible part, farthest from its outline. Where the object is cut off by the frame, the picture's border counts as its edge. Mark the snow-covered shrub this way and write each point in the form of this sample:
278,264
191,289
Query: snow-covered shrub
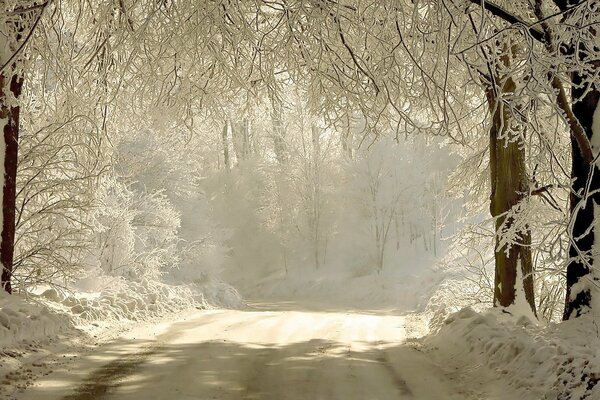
156,224
136,232
114,232
119,298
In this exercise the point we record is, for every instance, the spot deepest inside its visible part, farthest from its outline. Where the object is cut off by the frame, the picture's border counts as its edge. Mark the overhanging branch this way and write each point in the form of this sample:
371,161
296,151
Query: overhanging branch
510,18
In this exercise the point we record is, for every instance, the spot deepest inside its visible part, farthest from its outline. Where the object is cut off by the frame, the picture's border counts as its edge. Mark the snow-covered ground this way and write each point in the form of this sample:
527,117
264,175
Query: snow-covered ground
400,292
39,332
559,361
276,352
305,351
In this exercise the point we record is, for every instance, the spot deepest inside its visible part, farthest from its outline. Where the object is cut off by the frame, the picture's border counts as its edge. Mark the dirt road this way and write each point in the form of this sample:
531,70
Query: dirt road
259,354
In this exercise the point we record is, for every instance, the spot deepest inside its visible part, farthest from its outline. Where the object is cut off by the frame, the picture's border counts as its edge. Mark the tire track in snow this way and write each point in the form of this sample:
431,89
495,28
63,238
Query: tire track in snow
105,379
98,385
399,382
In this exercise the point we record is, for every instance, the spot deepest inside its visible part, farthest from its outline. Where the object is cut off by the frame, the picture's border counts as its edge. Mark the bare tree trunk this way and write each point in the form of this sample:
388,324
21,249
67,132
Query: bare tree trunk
347,136
279,146
10,87
584,200
225,147
316,200
584,208
247,144
509,186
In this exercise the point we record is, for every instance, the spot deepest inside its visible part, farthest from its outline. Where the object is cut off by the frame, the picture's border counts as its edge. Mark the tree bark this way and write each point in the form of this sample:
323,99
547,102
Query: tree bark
582,251
585,197
509,186
10,90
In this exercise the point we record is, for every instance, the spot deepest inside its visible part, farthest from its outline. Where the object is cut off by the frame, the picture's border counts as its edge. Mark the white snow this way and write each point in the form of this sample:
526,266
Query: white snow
392,289
27,329
561,361
520,306
24,320
288,351
280,353
35,331
139,300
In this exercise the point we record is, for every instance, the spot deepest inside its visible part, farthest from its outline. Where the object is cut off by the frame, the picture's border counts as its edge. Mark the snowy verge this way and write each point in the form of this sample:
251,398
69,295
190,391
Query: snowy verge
555,362
35,329
24,318
125,300
27,327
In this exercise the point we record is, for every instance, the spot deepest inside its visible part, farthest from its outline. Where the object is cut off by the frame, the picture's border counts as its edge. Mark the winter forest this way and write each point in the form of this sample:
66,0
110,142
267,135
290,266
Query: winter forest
300,199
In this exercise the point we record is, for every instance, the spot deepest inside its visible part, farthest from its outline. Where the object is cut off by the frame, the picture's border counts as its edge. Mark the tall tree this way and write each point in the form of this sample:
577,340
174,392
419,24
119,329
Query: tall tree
18,20
509,187
569,39
581,49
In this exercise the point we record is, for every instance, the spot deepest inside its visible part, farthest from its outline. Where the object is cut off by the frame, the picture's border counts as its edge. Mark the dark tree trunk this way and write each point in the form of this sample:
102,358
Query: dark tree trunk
585,175
509,186
9,115
582,207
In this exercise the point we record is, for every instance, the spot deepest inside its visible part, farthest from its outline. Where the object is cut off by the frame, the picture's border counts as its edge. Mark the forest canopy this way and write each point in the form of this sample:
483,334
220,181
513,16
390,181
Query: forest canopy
144,137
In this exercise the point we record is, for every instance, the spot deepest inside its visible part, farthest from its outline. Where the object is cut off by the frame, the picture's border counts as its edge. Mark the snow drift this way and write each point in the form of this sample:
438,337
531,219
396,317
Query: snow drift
554,362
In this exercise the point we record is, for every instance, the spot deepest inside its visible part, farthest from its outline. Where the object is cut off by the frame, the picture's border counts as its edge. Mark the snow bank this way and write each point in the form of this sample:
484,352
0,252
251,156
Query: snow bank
143,299
450,296
43,317
560,361
22,320
33,328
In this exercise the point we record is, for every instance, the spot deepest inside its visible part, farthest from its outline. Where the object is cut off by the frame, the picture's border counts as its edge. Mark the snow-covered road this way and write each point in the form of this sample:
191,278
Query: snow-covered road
259,354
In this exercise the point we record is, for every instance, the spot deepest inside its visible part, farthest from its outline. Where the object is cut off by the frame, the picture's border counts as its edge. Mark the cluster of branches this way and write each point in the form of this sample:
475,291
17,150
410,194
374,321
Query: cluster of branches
526,72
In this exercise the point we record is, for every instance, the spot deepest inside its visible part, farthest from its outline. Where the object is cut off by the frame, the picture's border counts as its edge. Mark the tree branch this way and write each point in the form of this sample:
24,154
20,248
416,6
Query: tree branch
510,18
